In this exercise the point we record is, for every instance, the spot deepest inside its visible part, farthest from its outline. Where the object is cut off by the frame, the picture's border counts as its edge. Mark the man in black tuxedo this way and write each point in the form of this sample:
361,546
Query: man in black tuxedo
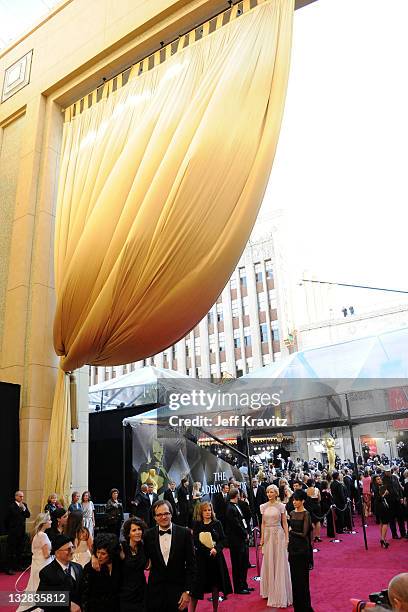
238,537
173,567
220,502
62,574
16,516
171,496
152,498
185,502
141,505
260,497
339,494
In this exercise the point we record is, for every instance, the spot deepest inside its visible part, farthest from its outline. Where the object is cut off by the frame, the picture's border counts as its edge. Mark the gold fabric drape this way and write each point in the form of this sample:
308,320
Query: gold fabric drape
160,185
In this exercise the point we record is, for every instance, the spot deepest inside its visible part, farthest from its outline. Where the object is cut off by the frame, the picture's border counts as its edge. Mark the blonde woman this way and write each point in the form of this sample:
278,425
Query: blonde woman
276,584
41,549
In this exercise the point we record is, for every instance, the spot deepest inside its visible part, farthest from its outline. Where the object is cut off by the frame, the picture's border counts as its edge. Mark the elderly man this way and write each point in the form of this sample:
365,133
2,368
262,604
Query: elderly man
16,516
398,592
63,575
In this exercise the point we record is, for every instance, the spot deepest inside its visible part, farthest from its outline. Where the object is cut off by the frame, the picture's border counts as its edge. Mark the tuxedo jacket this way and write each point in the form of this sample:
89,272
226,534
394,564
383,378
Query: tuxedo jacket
168,496
53,578
236,532
141,507
15,520
339,493
167,582
220,506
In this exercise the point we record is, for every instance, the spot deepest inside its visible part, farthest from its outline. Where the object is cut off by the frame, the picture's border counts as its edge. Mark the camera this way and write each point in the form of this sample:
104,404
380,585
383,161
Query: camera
381,599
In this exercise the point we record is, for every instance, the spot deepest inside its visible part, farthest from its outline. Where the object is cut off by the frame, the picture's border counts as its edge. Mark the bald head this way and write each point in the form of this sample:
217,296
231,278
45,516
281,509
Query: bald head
398,592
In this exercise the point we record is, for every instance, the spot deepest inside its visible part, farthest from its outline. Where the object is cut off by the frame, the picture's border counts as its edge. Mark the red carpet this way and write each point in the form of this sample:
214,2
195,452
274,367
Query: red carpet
341,571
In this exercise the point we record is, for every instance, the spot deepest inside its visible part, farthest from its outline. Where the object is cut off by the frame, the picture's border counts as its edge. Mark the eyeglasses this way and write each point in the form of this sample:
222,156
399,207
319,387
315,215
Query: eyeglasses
160,514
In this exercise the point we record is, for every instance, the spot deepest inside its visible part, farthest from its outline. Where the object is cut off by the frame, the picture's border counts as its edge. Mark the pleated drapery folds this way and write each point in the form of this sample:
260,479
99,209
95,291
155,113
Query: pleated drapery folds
160,185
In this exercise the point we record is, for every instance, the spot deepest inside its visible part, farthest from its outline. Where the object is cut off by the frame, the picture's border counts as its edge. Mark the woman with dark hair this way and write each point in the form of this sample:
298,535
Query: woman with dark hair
212,573
58,521
73,524
101,587
326,502
133,582
300,552
114,513
381,509
312,505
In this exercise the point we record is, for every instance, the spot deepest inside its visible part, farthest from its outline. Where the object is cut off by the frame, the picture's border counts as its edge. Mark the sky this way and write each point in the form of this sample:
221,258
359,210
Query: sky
340,168
340,172
18,16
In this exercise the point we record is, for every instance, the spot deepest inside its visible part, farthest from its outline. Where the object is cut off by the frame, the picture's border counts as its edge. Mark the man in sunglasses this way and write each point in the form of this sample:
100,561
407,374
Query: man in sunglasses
172,562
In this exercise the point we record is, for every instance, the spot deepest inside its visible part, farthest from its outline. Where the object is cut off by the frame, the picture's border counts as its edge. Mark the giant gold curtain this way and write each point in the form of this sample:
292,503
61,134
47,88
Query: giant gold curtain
160,185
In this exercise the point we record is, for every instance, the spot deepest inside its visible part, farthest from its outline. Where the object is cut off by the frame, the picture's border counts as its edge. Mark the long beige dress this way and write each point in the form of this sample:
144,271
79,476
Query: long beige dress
276,585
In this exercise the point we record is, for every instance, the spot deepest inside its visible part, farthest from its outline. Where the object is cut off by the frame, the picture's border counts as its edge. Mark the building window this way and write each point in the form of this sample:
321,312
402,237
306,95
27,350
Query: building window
247,336
245,305
239,373
272,298
220,316
242,277
275,331
261,301
198,372
258,273
263,328
211,342
234,309
233,282
189,371
188,348
221,341
237,342
266,359
268,269
210,317
173,352
197,348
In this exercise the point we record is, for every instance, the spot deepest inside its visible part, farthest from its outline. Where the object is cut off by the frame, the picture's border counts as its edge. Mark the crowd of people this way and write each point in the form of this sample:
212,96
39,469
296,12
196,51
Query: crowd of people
179,540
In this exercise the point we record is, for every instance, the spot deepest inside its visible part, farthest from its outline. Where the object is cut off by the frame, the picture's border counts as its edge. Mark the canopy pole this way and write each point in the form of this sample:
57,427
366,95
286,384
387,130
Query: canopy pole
124,467
250,490
353,448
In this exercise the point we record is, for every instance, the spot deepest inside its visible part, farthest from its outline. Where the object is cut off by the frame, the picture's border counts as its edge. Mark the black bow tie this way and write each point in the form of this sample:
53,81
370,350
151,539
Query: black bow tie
163,532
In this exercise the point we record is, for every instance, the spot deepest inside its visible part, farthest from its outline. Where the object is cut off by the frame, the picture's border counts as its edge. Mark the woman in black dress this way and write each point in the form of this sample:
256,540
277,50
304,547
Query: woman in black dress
325,504
133,582
212,572
381,509
101,586
114,513
300,553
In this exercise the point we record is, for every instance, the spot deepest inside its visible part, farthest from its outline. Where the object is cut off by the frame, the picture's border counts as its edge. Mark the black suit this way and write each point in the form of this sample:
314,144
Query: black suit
167,582
238,543
185,505
259,498
339,494
155,497
53,578
141,507
15,525
170,496
220,504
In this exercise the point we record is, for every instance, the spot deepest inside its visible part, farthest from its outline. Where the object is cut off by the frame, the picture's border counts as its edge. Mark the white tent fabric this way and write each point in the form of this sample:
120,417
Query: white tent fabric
144,386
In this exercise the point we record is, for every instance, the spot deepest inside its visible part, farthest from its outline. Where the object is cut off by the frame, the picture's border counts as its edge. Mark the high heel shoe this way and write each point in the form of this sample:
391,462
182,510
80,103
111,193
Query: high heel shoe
384,544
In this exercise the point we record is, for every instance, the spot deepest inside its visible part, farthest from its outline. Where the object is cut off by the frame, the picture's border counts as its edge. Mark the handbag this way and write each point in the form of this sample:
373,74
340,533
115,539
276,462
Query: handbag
206,539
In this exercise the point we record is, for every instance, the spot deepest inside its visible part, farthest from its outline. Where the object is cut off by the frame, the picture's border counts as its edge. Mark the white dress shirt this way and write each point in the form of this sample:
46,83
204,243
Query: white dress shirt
165,544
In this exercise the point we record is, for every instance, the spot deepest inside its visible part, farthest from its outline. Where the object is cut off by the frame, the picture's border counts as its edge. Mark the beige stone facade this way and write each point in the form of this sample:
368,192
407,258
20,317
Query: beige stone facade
78,45
75,47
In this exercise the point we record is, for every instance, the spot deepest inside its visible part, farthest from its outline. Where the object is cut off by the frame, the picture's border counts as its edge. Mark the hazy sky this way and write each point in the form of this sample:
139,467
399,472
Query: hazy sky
341,172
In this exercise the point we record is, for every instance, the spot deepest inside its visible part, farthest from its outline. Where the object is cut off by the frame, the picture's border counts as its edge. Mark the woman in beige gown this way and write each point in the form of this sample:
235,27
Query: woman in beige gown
276,585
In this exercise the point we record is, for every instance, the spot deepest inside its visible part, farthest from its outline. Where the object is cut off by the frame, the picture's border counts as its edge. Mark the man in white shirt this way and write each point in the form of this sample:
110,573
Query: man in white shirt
173,568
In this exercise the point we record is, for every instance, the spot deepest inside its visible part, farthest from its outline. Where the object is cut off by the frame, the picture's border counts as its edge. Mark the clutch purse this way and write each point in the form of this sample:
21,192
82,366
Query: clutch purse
206,539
